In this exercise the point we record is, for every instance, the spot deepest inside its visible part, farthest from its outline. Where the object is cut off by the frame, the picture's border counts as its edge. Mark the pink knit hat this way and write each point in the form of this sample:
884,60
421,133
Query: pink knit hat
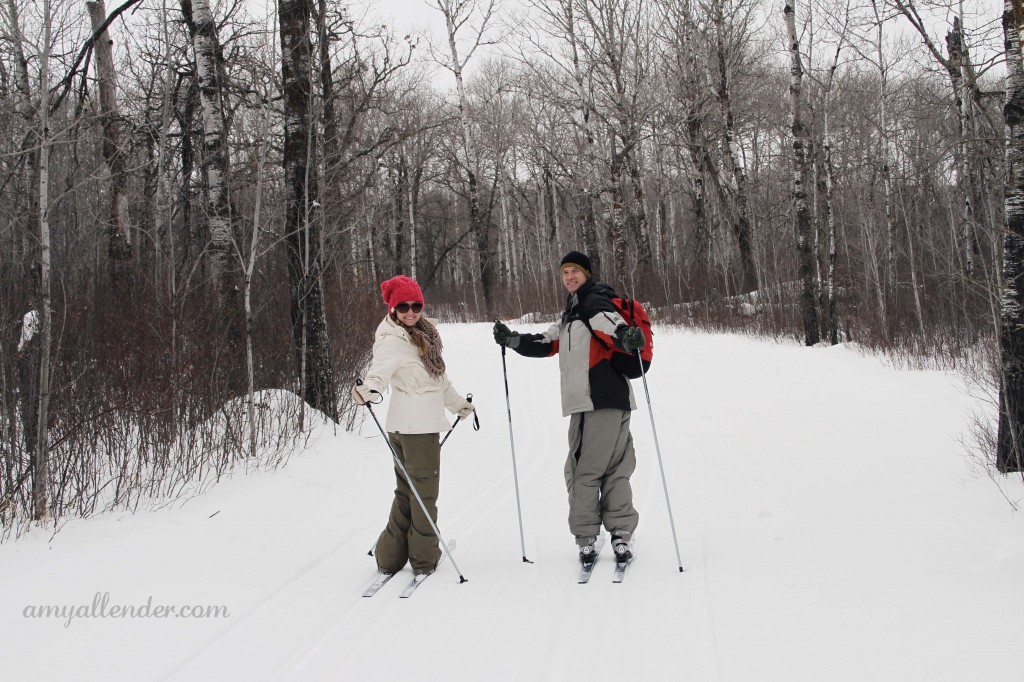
400,289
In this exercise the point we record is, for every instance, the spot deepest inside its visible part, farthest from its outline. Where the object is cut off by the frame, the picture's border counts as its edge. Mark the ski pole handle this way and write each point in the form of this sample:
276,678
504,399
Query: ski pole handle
476,425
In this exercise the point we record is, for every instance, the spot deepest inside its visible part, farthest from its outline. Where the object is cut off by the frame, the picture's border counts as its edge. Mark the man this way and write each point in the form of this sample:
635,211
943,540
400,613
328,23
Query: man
599,402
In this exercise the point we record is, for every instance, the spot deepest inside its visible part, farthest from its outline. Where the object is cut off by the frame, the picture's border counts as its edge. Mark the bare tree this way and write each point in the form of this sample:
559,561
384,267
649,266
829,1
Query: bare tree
215,154
725,48
563,80
118,227
27,111
41,457
967,95
831,298
1010,439
457,15
801,209
618,54
302,226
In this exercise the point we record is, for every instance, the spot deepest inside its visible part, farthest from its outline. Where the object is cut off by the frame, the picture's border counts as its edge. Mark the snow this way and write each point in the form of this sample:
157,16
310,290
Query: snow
830,523
29,328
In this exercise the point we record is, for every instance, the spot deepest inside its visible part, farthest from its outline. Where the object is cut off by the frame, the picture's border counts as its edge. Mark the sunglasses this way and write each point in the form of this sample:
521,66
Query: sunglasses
405,307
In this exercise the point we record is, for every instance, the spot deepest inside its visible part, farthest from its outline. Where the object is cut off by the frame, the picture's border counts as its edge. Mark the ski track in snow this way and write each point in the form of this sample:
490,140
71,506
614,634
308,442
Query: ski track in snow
693,562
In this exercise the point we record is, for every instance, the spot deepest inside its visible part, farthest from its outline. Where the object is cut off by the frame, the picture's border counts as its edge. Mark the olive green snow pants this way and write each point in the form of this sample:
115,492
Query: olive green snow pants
601,460
408,535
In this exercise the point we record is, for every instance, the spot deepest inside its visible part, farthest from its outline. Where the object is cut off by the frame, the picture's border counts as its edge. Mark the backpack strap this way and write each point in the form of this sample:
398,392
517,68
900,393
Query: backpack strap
586,323
585,319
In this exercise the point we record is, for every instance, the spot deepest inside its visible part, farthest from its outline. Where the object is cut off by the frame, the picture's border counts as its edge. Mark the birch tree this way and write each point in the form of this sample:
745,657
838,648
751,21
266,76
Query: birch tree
884,159
725,51
831,298
457,15
966,94
801,209
618,55
215,154
1009,444
30,125
564,78
41,457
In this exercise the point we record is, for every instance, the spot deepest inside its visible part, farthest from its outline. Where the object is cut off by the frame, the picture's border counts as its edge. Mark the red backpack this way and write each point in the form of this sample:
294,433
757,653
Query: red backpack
634,315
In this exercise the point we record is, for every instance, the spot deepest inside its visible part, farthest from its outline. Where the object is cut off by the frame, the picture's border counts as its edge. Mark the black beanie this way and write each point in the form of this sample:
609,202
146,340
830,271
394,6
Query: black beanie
578,259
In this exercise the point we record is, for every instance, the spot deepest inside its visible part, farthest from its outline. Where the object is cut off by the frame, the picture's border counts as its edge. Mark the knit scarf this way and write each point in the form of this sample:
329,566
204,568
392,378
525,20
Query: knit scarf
427,333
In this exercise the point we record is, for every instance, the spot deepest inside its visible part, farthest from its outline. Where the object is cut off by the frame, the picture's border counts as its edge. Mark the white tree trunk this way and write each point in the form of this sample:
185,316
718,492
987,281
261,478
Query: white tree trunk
456,12
40,464
802,214
410,202
216,160
885,154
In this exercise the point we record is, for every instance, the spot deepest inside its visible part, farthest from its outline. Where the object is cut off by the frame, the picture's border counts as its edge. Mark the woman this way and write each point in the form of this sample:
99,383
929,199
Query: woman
407,356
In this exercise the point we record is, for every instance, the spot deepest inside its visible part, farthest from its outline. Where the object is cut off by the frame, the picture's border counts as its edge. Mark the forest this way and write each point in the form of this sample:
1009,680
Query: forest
198,202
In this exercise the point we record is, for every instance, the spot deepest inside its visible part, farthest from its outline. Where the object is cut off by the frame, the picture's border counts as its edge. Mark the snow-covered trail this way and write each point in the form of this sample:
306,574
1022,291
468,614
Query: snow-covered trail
828,522
512,620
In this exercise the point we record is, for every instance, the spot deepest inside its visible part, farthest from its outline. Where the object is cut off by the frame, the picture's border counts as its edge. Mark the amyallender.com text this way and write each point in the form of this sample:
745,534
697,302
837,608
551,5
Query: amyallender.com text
101,607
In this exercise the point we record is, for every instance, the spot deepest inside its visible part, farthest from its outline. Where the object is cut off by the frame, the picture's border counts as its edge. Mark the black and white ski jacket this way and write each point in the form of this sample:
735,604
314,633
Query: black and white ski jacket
587,378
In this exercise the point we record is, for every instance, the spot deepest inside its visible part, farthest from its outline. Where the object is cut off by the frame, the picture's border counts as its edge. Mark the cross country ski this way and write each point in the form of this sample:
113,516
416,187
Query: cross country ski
421,577
587,564
623,558
382,579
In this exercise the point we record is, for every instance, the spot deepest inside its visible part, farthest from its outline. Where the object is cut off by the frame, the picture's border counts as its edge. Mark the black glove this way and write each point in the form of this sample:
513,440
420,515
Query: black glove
503,336
633,339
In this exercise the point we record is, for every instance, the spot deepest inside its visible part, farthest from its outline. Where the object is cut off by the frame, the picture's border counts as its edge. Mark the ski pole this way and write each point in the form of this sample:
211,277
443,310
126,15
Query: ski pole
661,466
476,427
412,486
515,472
657,446
476,420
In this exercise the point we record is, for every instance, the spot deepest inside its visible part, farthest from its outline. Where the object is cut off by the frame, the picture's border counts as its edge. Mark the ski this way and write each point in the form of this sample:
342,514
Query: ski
620,570
413,584
587,567
420,578
379,582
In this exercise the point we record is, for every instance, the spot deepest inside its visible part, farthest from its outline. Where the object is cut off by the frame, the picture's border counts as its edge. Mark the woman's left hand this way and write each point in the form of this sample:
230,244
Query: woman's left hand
361,394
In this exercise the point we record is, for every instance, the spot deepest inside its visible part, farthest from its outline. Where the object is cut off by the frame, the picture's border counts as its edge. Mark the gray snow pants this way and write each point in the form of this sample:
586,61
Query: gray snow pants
408,535
601,460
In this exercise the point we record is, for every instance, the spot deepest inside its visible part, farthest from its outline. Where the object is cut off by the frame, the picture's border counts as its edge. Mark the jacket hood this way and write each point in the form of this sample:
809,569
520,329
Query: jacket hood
599,288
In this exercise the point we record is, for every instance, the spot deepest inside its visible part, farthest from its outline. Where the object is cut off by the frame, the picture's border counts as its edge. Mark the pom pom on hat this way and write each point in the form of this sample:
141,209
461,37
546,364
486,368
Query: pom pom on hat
401,289
578,259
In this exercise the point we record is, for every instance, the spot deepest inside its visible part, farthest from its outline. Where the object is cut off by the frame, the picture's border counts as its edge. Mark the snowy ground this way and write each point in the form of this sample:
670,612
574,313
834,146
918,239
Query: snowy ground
830,526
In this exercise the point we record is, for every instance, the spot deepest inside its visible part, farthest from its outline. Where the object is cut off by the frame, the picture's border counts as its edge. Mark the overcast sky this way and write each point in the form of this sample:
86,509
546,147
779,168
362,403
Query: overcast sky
422,16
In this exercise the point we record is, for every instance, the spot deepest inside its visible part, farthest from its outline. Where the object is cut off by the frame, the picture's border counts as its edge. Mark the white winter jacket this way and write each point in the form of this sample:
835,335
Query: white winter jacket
419,400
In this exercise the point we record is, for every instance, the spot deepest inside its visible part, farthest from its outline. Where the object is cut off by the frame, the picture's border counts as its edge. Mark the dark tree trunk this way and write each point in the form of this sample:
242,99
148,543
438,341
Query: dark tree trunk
185,121
118,230
302,229
740,211
1009,448
28,389
698,199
